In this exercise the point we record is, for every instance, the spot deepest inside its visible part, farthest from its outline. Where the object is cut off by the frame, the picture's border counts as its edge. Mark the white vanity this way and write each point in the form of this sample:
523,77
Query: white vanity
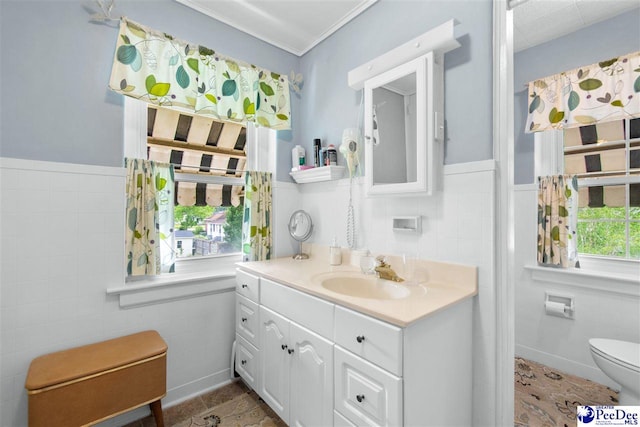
322,357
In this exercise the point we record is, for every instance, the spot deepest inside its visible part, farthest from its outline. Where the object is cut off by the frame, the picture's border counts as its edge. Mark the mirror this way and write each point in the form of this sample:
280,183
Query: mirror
393,136
400,119
300,228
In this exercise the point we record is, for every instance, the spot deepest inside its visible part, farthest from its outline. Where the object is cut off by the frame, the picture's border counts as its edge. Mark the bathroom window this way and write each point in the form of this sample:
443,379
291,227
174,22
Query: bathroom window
209,161
209,175
606,159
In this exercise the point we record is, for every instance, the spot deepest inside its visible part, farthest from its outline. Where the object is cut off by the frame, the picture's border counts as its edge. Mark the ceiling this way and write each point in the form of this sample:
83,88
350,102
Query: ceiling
298,25
293,25
538,21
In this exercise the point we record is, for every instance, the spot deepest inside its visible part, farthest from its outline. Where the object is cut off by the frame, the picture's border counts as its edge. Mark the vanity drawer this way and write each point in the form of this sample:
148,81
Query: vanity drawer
306,310
340,421
376,341
247,361
247,319
248,285
365,394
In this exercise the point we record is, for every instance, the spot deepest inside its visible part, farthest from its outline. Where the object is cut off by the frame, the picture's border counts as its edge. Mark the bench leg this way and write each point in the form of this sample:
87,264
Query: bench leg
156,410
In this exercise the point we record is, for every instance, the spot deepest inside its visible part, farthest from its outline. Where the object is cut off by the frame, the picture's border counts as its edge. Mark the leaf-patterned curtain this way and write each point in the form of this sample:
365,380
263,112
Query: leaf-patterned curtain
557,220
156,68
602,92
149,215
256,222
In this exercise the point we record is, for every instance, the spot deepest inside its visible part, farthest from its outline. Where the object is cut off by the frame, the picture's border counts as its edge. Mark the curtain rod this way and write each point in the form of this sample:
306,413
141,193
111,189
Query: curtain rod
104,15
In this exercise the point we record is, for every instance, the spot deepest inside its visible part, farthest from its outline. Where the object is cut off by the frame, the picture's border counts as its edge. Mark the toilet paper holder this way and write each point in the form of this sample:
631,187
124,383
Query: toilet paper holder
559,305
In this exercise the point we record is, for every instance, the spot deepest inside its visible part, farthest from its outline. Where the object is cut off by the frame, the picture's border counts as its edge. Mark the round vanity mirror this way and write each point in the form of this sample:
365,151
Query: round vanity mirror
300,228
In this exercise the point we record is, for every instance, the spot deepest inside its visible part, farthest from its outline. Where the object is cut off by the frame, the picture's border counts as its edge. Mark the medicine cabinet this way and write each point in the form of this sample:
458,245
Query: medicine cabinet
404,114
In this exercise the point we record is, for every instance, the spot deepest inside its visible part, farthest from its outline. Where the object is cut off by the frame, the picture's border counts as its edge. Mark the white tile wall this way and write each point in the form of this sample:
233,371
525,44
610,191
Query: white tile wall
457,226
61,247
286,200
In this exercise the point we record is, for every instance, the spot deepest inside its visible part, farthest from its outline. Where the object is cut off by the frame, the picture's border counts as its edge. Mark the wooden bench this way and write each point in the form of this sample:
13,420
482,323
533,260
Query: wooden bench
88,384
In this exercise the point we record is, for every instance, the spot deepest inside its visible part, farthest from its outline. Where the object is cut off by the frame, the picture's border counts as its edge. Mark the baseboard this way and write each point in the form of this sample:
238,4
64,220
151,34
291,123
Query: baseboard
195,388
174,397
565,365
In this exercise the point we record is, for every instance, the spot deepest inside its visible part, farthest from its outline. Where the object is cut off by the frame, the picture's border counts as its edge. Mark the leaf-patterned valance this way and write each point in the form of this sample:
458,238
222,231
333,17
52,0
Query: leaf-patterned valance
602,92
157,68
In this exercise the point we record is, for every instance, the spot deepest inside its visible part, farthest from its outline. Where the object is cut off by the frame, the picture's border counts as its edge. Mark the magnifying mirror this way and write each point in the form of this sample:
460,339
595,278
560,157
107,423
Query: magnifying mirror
300,228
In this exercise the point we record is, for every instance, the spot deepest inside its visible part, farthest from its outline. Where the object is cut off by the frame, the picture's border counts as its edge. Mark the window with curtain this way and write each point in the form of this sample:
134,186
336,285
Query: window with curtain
606,159
209,160
210,99
160,69
598,93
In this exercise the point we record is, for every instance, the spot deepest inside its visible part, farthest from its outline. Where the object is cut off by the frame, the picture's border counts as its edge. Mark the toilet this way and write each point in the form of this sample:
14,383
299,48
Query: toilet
620,361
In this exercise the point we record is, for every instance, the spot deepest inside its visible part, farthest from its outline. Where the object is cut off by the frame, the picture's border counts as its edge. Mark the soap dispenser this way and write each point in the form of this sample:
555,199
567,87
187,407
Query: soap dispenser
335,253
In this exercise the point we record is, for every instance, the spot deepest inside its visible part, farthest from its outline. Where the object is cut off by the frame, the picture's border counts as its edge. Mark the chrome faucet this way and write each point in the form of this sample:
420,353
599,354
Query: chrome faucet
384,270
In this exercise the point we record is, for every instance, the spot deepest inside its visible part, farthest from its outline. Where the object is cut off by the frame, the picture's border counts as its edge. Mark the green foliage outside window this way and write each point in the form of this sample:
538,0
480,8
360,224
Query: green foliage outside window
192,218
601,231
187,217
233,227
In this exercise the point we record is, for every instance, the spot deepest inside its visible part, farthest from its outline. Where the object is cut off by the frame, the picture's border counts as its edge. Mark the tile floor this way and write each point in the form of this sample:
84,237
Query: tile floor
178,413
544,397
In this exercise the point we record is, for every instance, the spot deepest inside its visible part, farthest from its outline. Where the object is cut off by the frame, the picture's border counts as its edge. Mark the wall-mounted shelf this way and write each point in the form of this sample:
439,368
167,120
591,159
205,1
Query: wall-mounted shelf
324,173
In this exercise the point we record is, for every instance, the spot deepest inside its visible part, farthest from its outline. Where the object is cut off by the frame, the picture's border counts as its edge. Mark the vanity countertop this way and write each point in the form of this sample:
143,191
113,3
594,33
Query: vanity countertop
445,283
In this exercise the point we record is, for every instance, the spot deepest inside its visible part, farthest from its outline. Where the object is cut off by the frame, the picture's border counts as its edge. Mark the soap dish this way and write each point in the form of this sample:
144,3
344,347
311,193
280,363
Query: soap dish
407,223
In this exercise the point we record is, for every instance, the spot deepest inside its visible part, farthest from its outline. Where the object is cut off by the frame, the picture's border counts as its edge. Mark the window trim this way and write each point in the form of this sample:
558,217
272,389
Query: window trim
261,155
212,275
622,284
193,277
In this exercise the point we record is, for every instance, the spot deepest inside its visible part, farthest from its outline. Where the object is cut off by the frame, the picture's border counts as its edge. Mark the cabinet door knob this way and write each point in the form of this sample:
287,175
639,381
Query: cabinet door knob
360,398
290,351
244,362
244,286
360,338
284,346
244,319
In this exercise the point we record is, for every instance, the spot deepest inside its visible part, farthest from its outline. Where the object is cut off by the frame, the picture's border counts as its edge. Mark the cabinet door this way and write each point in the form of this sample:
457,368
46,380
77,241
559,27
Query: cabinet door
311,379
275,362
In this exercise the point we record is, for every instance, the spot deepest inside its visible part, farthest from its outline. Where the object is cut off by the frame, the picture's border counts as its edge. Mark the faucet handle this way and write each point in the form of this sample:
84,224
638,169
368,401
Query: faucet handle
381,260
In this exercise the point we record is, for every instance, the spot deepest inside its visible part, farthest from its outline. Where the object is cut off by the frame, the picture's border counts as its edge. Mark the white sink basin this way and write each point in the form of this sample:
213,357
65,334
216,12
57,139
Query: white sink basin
366,286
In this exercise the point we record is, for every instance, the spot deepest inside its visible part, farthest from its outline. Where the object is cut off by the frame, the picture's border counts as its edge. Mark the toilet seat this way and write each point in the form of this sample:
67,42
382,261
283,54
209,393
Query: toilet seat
623,353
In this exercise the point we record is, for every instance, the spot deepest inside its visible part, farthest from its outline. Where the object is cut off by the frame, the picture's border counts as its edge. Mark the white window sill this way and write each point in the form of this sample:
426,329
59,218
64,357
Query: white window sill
210,277
618,283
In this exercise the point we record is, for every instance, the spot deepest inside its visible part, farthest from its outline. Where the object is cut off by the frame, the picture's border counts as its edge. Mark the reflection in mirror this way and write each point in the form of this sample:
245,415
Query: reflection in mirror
401,106
394,139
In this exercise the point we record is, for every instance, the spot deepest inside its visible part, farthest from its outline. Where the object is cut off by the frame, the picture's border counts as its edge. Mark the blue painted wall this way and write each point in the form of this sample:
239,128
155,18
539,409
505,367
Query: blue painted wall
604,40
329,105
55,68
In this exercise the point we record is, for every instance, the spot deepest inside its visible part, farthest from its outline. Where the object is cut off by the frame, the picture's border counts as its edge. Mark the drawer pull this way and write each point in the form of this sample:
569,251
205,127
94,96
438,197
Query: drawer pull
244,285
360,398
244,362
244,319
360,338
284,346
290,351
